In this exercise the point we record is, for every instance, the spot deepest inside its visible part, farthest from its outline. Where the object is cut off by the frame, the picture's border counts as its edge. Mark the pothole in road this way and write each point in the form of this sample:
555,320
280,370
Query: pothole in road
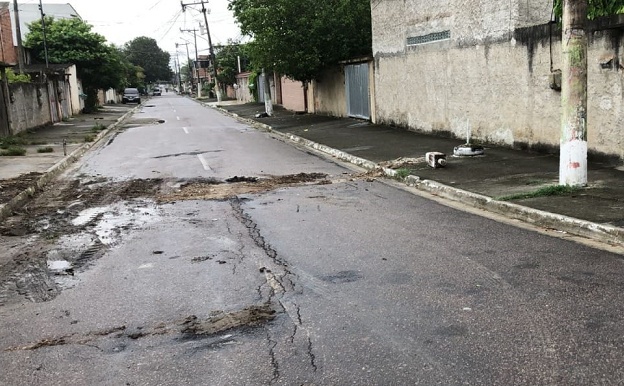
215,190
143,122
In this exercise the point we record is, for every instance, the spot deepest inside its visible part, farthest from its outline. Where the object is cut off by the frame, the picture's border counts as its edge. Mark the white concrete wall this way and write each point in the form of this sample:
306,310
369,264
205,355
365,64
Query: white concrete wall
490,79
75,88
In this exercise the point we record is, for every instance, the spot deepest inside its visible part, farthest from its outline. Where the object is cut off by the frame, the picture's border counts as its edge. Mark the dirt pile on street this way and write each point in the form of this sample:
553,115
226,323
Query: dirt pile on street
215,190
12,187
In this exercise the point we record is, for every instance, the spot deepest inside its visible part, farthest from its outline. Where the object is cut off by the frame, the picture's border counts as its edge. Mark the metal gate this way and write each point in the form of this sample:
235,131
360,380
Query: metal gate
358,99
261,86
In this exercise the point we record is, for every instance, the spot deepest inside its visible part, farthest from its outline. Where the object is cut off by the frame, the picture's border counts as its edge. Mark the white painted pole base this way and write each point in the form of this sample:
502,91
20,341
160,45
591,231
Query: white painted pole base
573,163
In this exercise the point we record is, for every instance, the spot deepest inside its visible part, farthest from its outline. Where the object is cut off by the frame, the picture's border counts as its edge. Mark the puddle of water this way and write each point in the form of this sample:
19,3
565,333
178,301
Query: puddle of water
87,215
114,218
58,265
109,227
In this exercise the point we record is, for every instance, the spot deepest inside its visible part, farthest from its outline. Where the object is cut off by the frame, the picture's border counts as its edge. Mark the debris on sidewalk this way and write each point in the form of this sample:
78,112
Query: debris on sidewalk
468,150
402,162
435,159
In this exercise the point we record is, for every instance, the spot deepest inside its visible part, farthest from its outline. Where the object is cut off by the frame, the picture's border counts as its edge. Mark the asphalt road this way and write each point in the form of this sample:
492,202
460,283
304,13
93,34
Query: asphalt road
335,281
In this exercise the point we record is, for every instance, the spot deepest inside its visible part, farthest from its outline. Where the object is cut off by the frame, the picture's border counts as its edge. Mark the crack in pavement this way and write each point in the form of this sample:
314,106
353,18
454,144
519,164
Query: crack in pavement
279,285
191,153
274,362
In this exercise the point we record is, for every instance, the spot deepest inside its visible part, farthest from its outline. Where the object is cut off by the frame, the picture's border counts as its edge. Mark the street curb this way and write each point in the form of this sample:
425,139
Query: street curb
18,201
603,233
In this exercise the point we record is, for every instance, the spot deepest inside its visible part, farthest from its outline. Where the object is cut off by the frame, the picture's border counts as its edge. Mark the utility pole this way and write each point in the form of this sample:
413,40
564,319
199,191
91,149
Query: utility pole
212,54
43,29
194,31
188,58
573,143
177,66
18,32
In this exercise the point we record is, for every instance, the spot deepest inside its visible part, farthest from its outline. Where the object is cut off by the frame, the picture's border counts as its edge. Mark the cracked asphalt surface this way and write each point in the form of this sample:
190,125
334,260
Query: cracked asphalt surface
200,251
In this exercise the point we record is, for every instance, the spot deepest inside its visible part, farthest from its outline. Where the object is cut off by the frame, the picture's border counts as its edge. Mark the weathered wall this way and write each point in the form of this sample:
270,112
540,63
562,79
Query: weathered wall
292,94
490,79
29,106
329,93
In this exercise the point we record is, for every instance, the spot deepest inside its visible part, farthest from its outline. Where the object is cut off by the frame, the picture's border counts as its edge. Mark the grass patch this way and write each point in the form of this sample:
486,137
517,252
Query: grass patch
402,173
47,149
89,138
7,142
12,151
553,190
98,127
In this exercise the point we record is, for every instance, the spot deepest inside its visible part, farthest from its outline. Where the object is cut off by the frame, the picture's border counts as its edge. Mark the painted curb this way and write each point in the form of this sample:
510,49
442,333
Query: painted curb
18,201
604,233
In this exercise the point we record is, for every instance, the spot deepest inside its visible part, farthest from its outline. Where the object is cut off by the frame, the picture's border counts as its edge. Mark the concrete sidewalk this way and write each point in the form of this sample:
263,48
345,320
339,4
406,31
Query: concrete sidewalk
596,212
487,182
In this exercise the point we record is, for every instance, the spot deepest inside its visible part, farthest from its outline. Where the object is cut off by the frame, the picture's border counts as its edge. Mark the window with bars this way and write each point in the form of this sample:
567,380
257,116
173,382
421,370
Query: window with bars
432,37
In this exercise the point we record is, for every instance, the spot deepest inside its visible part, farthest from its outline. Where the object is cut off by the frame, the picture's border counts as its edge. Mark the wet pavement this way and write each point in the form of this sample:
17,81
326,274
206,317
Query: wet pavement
486,182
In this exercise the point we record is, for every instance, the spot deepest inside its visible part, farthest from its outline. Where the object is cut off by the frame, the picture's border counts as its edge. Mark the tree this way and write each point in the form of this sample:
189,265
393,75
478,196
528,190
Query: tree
596,8
300,39
145,53
227,57
99,66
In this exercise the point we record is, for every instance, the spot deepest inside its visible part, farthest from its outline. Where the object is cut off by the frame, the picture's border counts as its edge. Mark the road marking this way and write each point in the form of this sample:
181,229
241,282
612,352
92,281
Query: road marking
203,162
178,118
185,130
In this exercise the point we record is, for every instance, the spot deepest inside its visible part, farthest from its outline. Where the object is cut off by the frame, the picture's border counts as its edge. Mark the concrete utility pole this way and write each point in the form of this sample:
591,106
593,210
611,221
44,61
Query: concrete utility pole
177,66
212,54
573,145
43,30
188,61
18,32
194,31
268,102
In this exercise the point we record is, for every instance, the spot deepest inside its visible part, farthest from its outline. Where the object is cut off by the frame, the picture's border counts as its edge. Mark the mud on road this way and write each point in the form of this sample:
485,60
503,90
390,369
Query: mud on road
62,230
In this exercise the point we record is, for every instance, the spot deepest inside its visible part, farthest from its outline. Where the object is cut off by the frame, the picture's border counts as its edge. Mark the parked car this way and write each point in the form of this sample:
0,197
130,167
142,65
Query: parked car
156,91
131,95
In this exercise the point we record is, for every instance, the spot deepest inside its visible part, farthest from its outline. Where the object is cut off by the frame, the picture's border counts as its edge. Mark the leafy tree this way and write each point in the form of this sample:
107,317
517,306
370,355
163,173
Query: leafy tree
145,53
595,8
227,61
17,78
99,66
301,38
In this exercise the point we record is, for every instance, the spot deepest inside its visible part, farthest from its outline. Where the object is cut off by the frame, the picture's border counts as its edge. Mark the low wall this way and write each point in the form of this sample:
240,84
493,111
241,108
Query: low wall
29,106
499,91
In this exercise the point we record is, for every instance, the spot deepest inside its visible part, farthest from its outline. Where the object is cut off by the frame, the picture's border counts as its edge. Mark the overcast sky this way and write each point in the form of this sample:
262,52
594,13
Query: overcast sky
120,21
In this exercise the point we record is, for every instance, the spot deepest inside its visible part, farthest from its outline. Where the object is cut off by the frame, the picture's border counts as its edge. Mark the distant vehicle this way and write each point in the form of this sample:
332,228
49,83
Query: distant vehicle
131,95
156,91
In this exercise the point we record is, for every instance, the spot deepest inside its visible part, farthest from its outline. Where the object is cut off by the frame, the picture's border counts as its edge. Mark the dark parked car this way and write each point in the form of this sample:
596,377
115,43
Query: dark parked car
156,91
131,95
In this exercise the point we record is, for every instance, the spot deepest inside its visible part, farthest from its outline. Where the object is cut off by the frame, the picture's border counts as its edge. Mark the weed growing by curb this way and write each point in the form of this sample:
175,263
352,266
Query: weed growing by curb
89,138
98,127
46,149
13,151
401,174
552,190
